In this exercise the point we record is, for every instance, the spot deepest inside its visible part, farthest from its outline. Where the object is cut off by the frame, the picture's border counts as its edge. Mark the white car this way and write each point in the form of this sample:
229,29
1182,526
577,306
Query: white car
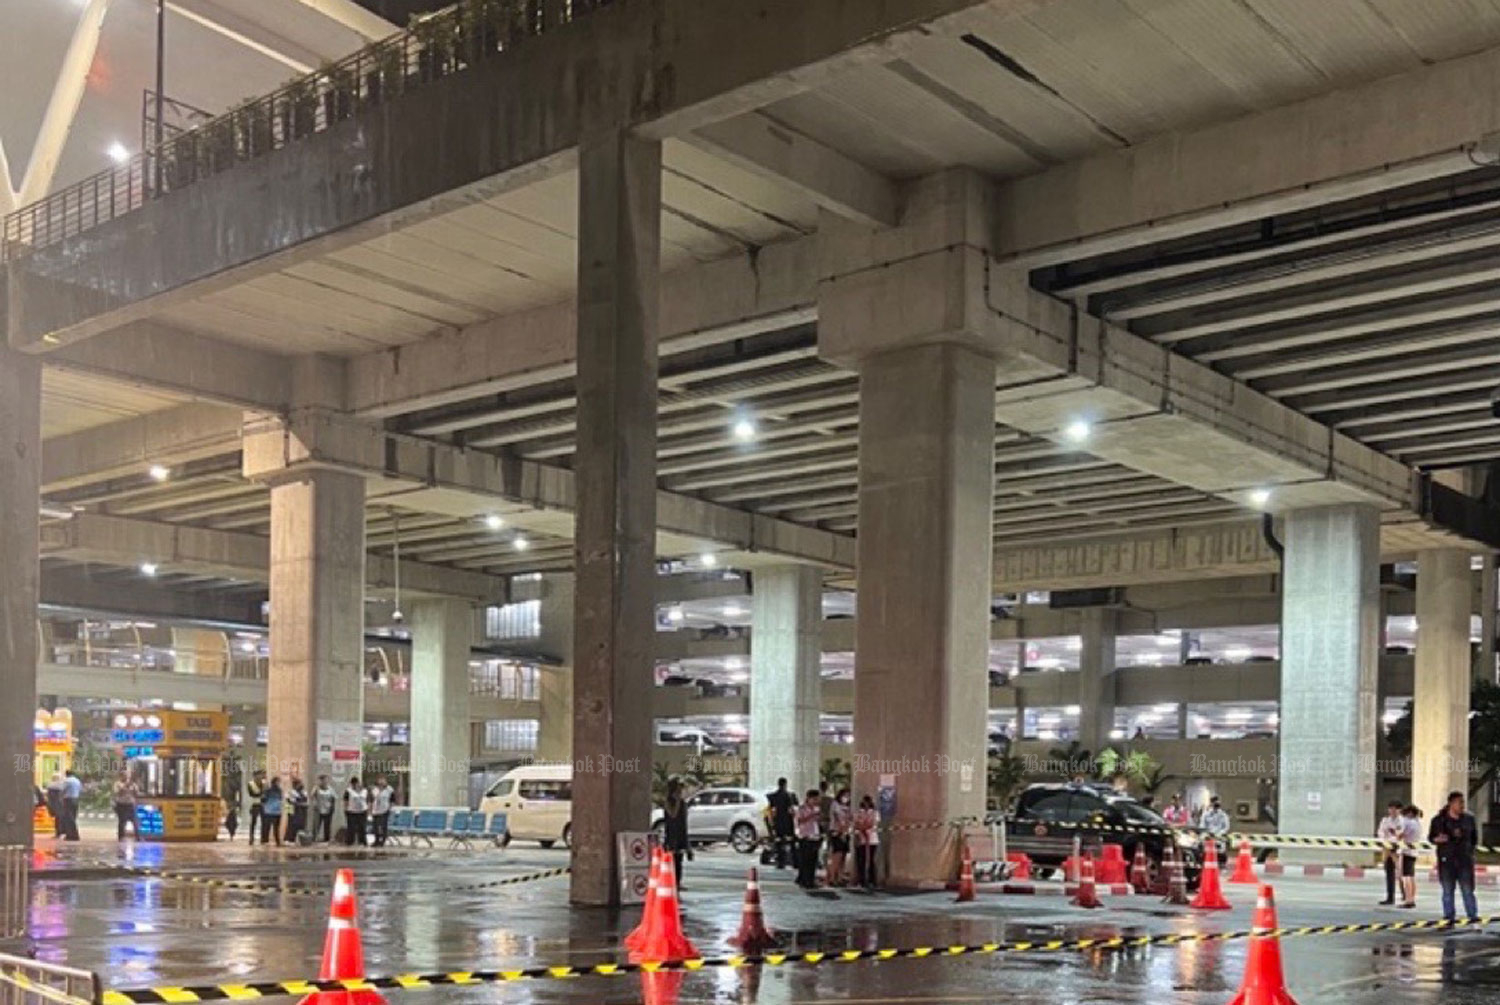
724,814
537,800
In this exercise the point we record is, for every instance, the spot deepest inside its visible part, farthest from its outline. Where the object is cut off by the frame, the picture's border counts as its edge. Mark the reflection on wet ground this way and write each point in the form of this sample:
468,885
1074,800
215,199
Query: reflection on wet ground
139,931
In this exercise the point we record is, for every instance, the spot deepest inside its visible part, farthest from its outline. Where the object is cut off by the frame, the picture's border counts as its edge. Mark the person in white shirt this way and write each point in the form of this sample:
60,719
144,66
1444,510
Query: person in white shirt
381,797
356,806
1392,826
809,839
1215,820
1411,834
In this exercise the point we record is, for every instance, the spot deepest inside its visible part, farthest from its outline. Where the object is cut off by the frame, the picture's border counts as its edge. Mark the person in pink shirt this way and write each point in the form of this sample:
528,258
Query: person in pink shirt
1175,813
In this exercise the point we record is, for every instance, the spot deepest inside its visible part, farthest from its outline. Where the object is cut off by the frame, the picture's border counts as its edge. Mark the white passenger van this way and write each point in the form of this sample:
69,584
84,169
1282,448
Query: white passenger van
537,800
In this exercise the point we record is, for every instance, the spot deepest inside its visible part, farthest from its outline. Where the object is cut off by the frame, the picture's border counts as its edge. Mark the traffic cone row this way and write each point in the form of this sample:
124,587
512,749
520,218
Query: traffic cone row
1244,867
1210,893
1140,871
753,937
1264,982
343,952
1176,880
1087,895
966,878
662,937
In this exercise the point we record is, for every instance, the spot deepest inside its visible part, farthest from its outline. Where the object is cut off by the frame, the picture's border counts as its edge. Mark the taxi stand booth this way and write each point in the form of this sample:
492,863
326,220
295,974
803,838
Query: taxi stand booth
53,733
175,759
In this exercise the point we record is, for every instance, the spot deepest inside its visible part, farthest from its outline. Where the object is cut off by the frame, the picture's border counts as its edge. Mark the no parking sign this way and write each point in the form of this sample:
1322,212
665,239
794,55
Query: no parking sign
634,850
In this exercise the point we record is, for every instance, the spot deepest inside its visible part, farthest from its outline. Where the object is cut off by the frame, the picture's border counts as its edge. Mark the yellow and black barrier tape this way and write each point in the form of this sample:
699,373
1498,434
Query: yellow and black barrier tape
1256,840
302,890
1115,943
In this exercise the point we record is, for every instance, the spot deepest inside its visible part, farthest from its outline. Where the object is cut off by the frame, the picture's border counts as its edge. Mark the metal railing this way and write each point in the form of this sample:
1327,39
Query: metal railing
15,891
27,982
435,47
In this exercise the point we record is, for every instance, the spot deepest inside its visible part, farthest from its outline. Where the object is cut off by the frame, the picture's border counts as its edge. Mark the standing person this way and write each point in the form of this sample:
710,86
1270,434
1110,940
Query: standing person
273,801
256,789
72,794
1392,827
840,823
124,799
381,798
1177,814
783,806
323,802
296,801
356,805
1411,833
55,803
674,826
866,842
1455,834
809,839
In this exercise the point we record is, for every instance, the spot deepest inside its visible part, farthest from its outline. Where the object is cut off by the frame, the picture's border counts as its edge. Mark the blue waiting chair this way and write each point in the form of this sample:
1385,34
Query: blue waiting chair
428,824
498,831
466,826
400,825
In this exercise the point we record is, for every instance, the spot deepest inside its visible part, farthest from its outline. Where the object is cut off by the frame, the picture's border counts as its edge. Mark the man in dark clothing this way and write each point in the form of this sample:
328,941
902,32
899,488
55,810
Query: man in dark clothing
783,822
1454,833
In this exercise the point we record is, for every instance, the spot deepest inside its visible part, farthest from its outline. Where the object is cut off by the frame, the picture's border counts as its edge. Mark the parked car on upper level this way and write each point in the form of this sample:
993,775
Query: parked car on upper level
735,815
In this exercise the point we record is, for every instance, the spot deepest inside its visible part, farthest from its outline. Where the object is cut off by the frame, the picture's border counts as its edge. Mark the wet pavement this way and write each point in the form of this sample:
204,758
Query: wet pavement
417,915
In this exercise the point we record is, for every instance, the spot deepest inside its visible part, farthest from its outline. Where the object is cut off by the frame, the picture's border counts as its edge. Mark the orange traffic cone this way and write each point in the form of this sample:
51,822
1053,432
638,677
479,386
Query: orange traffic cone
1244,866
665,939
1176,880
1020,865
966,878
638,935
1087,895
1210,893
343,952
1140,871
1264,983
753,937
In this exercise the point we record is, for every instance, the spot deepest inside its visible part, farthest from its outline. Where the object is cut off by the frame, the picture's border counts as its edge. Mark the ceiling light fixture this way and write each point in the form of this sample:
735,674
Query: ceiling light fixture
1259,498
118,153
493,521
148,568
733,611
1078,431
159,472
708,560
675,615
521,544
744,430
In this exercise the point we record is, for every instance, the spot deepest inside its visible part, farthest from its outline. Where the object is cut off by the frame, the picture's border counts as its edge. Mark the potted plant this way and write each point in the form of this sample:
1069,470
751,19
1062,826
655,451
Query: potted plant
339,93
302,107
383,78
434,36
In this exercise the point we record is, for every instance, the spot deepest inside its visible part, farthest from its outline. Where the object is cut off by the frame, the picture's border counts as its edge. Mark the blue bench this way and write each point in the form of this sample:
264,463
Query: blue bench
497,830
465,827
429,824
400,826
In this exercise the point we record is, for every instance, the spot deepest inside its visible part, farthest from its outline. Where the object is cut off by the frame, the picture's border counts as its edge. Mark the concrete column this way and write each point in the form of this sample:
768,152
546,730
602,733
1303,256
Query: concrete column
1330,639
555,732
926,494
1096,681
20,495
1484,666
317,619
1440,717
785,676
619,252
442,633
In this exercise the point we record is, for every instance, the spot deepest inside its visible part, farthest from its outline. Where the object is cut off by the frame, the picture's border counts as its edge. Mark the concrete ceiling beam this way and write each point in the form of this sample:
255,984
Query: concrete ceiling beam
1400,130
826,177
126,542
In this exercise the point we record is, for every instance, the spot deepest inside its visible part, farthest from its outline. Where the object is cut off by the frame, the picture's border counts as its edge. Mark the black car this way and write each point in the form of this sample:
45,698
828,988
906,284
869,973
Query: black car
1049,816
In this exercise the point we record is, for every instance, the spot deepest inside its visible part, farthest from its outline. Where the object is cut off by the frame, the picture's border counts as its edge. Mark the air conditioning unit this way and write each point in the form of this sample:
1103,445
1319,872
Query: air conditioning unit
1244,809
